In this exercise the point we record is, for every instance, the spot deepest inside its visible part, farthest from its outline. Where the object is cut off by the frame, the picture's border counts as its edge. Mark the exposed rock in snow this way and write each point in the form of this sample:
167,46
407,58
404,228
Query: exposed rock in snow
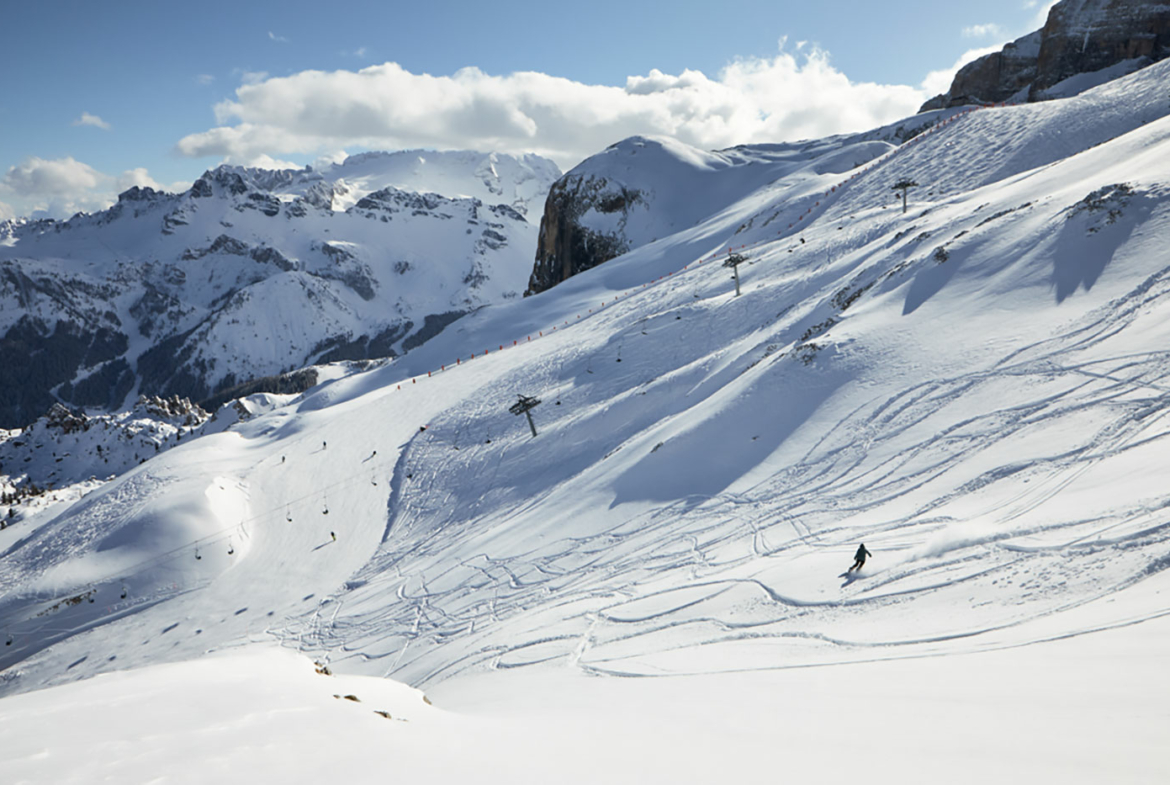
66,447
1079,37
646,188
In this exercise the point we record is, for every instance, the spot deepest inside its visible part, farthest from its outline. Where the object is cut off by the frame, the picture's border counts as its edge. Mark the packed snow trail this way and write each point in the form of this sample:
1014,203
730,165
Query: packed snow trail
975,389
947,498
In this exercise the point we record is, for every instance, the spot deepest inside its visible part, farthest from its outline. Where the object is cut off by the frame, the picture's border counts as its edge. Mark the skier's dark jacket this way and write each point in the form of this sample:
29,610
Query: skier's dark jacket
861,553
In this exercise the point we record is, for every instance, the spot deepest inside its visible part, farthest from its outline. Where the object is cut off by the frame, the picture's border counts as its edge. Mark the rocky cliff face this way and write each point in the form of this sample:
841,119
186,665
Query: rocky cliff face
639,190
1080,37
566,245
646,188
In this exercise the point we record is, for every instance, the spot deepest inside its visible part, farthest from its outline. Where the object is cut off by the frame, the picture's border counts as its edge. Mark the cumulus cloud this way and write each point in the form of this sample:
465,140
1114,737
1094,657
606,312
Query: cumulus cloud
6,212
1042,8
789,96
56,188
328,159
92,119
265,161
59,177
250,77
940,81
139,177
60,187
204,79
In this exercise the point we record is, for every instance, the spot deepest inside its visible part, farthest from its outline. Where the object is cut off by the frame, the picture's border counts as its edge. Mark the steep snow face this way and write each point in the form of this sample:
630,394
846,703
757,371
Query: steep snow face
251,273
974,388
646,188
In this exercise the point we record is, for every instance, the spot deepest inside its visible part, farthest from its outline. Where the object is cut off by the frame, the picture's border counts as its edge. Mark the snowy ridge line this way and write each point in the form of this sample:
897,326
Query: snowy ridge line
87,589
719,254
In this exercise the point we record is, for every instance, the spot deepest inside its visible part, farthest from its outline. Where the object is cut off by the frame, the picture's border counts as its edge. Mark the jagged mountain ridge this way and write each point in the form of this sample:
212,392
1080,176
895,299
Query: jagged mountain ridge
253,272
1082,43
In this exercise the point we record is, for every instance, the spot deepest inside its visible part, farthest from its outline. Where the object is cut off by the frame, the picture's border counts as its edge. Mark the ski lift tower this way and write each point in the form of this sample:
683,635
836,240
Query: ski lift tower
734,260
525,406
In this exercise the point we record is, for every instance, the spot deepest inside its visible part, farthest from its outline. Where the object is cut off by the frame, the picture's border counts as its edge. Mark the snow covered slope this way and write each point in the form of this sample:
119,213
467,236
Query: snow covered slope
645,188
977,389
253,272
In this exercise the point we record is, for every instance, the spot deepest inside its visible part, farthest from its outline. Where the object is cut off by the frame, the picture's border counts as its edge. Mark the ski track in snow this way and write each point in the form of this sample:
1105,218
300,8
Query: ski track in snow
689,510
711,546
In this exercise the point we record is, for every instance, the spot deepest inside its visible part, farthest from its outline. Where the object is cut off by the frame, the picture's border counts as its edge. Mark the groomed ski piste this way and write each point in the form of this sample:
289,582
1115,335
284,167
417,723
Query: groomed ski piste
652,588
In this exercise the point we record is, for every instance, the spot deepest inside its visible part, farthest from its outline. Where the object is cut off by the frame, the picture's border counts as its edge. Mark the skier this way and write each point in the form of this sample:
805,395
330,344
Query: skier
859,558
333,535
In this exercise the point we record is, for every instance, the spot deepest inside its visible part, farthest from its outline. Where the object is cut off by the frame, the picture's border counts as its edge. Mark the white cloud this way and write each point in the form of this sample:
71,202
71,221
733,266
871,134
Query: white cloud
250,77
789,96
940,81
92,119
6,212
56,188
60,187
328,159
274,37
59,177
204,79
139,177
991,30
265,161
1042,11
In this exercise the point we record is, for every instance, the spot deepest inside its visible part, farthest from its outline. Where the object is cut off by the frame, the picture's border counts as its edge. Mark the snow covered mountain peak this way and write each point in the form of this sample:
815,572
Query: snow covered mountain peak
494,178
254,272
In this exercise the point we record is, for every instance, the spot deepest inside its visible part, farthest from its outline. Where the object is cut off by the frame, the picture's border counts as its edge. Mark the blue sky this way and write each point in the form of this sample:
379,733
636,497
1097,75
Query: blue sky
104,95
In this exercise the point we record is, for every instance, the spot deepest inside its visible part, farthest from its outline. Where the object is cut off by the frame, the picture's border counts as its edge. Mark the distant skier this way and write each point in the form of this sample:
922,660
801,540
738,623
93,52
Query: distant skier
333,535
859,558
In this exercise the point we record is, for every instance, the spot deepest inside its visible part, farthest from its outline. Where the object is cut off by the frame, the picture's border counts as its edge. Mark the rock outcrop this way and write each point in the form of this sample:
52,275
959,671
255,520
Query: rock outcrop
1080,37
566,245
645,188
